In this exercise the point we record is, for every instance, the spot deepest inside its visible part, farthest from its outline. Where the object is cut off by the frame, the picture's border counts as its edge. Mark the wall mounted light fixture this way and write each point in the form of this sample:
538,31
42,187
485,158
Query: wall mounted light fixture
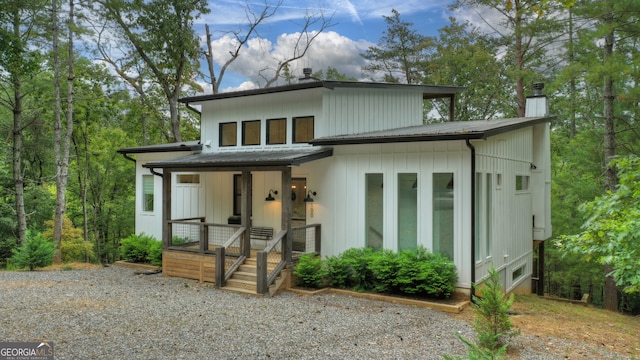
309,194
270,196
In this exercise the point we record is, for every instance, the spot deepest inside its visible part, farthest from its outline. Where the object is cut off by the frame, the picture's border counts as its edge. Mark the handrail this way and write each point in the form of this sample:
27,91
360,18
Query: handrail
264,278
233,237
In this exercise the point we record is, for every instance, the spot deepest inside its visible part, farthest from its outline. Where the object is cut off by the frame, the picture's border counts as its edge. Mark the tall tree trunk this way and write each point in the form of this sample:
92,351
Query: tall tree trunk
18,177
57,225
519,53
572,81
610,290
209,56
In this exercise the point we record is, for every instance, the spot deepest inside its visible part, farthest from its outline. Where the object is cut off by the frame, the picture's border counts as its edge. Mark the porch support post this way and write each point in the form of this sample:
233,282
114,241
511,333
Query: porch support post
220,258
245,212
166,209
540,286
286,213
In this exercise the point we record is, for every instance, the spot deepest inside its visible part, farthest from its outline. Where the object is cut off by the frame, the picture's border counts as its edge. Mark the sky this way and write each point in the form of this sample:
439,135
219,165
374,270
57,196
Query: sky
358,24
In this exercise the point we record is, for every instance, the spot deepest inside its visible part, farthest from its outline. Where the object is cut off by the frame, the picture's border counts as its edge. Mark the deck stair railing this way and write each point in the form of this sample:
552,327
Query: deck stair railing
229,257
272,254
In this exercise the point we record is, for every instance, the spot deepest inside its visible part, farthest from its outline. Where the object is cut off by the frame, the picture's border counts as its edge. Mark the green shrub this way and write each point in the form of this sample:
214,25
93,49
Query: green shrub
492,322
136,248
36,251
415,272
310,272
155,253
77,250
423,273
384,267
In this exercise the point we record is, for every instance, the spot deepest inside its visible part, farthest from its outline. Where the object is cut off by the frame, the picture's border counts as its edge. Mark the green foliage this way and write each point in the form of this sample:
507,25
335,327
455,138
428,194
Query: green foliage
424,273
140,249
7,245
310,271
414,272
36,251
492,323
476,352
73,247
611,231
155,253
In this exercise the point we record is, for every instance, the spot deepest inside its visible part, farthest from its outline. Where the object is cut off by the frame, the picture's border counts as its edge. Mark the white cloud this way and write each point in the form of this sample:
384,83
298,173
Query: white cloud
329,49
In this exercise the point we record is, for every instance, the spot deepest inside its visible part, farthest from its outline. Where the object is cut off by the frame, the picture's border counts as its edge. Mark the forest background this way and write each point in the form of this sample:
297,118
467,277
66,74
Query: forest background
81,79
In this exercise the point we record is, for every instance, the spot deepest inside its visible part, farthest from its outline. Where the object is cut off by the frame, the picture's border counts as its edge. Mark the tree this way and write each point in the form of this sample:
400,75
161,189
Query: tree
161,35
611,231
526,29
36,251
462,56
18,22
399,52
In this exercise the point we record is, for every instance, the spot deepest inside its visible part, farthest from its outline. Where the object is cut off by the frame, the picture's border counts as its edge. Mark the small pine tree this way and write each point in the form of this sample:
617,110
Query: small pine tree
36,251
492,323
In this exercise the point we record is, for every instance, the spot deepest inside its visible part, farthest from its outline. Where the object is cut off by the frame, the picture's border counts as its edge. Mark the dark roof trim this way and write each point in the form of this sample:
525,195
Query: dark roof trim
468,130
428,91
242,159
178,146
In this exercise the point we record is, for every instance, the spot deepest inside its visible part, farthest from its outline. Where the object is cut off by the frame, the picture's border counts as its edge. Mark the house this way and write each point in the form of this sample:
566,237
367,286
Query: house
326,166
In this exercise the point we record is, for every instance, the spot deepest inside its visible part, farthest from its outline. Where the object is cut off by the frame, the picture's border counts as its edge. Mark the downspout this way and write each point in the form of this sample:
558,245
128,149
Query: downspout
154,172
188,106
126,156
472,291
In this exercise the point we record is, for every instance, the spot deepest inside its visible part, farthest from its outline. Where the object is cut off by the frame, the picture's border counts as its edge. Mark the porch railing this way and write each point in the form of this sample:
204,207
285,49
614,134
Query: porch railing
272,254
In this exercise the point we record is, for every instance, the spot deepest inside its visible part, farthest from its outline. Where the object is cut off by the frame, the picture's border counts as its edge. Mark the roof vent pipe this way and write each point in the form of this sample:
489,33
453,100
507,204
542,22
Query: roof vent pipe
537,88
307,74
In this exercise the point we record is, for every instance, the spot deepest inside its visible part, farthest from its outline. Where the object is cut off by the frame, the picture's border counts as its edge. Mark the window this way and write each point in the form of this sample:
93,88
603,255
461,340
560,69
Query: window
237,193
443,214
517,273
188,178
478,218
374,211
276,131
251,132
228,134
302,129
483,217
407,211
488,216
147,192
522,182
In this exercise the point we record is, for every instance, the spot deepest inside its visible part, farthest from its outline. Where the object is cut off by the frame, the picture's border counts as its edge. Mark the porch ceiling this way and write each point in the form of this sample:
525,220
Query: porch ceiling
244,159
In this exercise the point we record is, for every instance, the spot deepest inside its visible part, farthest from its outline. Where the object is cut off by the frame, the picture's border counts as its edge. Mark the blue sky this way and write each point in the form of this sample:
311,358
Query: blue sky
358,25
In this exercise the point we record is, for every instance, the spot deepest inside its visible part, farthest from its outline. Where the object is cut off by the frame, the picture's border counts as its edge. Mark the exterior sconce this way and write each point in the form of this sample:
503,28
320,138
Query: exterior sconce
309,194
270,196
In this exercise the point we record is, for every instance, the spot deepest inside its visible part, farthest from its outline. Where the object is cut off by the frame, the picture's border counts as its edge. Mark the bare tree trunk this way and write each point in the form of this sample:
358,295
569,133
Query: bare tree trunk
209,56
610,289
18,177
519,53
57,225
572,82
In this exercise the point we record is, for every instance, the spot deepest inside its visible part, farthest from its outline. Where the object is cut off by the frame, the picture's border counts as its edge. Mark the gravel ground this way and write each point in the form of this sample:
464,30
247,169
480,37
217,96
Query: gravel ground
111,313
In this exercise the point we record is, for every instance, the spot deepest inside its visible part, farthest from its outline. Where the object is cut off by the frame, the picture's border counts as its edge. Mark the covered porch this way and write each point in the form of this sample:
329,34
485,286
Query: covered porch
222,253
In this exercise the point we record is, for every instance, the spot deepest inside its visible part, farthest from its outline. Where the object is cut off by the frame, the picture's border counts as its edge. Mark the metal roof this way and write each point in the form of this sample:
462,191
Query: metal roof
459,130
177,146
244,159
428,91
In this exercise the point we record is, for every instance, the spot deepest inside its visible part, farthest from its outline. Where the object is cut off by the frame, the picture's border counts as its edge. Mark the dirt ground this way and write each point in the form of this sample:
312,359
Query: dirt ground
546,320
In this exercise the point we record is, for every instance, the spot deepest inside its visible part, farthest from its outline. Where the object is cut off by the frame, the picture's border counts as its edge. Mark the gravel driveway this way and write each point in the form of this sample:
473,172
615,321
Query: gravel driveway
111,313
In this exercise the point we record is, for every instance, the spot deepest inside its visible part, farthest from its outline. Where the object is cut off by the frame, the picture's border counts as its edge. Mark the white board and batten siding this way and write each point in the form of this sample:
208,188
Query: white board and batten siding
340,204
150,222
337,112
504,158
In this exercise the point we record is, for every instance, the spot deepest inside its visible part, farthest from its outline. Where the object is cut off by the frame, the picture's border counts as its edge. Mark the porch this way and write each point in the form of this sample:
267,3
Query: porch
216,253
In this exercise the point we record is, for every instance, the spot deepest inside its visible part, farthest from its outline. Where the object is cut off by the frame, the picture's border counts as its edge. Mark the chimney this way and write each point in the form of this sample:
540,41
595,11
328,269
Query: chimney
537,105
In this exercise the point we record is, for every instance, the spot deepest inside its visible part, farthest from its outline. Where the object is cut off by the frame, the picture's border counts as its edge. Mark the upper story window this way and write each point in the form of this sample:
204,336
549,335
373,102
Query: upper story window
228,134
302,129
251,132
522,182
276,131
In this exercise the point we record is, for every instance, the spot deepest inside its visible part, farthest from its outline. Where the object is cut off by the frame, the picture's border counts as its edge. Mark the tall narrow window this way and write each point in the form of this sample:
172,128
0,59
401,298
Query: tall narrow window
251,132
237,194
228,134
374,208
407,211
147,192
276,131
302,129
443,214
488,215
477,232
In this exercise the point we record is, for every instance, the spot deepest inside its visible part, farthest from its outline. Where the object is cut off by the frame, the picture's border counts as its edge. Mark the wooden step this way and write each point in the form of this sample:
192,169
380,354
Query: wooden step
241,291
245,275
241,284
